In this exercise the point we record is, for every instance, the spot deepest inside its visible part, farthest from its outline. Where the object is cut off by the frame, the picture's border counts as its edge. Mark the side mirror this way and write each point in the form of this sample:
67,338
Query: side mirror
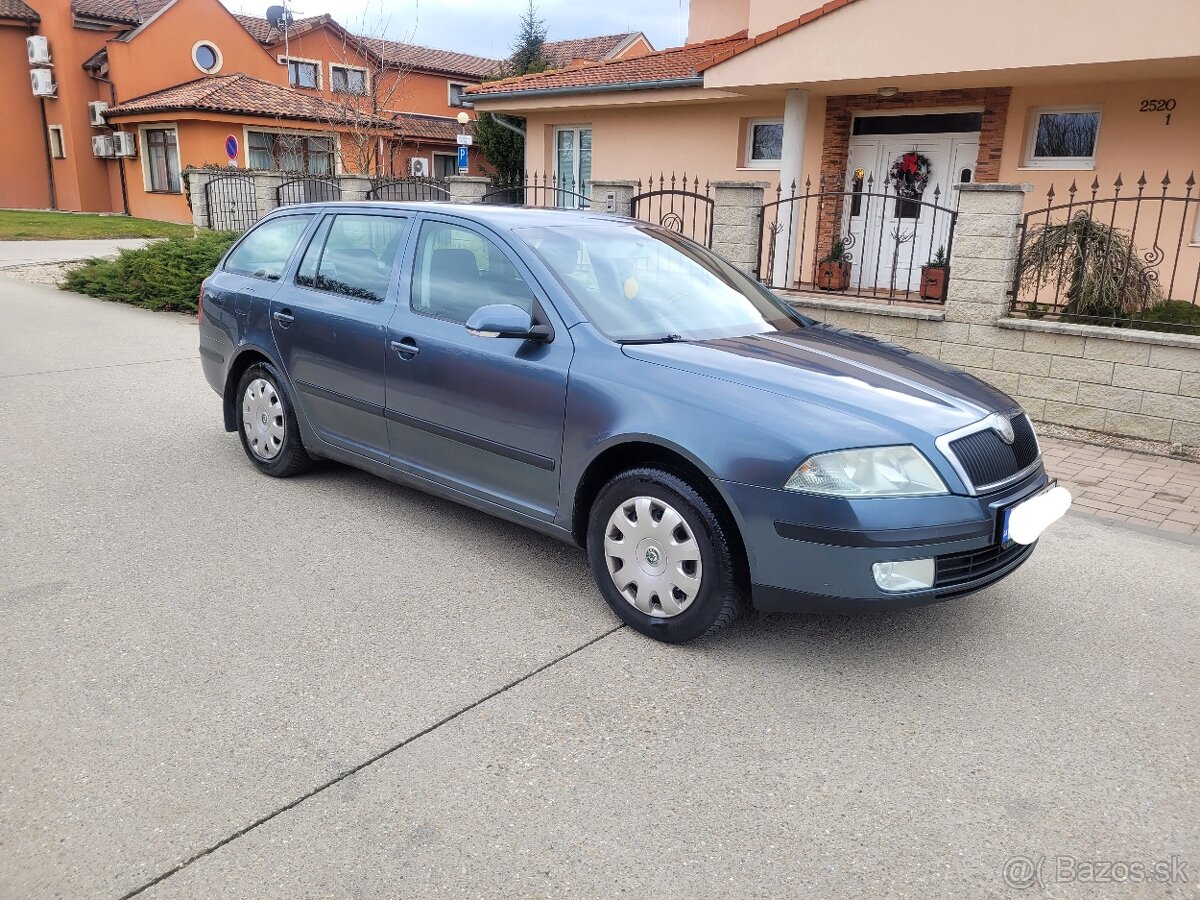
504,320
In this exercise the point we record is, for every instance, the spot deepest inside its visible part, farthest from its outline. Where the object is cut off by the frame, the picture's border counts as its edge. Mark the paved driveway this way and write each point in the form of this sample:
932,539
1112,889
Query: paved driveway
216,684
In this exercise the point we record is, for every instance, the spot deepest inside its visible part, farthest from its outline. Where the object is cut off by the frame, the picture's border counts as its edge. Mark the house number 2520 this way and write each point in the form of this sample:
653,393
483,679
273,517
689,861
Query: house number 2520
1158,106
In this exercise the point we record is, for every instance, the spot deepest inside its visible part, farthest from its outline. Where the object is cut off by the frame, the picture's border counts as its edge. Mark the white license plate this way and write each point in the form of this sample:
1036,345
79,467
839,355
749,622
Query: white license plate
1025,522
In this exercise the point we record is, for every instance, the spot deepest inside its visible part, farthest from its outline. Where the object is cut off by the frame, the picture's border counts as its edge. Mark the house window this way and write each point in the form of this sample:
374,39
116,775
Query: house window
572,166
206,57
445,165
58,148
161,159
303,74
1063,138
284,152
457,97
347,80
764,143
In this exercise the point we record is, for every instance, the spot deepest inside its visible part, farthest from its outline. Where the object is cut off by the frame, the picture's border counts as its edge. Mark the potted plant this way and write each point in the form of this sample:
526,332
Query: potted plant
834,271
933,276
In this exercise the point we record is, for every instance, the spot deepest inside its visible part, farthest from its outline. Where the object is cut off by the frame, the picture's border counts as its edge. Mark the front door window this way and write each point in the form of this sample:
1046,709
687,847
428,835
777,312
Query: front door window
573,166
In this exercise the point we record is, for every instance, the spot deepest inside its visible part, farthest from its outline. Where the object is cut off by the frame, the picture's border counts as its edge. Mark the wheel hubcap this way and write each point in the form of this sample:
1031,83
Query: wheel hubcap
653,557
262,418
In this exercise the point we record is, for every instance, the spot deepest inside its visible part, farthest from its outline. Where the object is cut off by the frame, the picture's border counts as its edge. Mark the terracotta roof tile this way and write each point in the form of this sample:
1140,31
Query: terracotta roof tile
777,31
16,9
415,56
672,64
561,54
240,94
428,128
267,34
132,12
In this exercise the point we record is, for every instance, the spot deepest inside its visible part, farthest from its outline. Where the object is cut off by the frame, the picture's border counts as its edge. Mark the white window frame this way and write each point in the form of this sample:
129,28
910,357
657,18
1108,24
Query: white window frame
1059,162
145,155
298,132
577,129
463,102
366,73
748,160
284,60
205,42
56,131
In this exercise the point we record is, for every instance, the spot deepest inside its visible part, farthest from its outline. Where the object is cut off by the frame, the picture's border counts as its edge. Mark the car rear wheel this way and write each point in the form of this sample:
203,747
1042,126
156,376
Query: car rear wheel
267,424
663,558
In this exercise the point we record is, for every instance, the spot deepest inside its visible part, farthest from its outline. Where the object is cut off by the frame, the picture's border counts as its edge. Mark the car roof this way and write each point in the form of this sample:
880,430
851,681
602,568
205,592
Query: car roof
495,216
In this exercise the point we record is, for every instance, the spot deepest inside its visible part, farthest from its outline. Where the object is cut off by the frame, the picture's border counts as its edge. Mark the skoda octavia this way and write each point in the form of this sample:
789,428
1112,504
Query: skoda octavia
614,384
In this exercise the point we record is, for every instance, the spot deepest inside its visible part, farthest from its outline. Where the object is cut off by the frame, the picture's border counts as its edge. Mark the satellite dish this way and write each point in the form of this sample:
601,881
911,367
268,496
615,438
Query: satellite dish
279,17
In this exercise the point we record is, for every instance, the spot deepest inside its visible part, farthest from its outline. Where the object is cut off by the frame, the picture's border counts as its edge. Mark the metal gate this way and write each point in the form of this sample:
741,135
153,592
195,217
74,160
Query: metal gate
678,207
230,202
409,189
308,189
543,192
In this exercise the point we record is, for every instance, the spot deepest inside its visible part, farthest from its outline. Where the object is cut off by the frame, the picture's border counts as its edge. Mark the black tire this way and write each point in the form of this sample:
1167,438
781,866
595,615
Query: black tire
291,458
722,593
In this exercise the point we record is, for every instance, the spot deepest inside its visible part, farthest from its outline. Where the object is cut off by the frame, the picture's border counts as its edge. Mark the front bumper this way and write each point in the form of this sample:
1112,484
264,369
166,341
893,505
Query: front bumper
814,554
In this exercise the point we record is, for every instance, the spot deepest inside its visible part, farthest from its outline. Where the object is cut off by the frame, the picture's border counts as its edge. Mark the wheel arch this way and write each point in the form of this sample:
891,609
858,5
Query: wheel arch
636,452
245,358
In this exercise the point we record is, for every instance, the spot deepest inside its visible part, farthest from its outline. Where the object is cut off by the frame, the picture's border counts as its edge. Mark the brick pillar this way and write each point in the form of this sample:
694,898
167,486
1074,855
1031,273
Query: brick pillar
736,209
354,187
984,251
467,188
196,180
614,197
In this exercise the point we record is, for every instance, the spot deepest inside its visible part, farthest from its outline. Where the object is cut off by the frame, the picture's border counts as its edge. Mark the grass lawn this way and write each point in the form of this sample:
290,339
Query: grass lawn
22,225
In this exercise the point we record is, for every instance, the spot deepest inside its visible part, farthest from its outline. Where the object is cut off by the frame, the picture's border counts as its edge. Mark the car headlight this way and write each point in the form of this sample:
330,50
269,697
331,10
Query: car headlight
870,472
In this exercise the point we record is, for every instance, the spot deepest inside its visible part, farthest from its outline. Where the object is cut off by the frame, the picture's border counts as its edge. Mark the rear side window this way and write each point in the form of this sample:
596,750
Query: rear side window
353,255
458,270
265,251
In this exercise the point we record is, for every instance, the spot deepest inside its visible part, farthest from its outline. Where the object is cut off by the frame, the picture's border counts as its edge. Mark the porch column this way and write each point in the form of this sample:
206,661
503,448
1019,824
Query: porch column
791,169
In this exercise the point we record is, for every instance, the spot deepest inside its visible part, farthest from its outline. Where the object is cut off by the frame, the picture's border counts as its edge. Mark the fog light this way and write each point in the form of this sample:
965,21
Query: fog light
905,575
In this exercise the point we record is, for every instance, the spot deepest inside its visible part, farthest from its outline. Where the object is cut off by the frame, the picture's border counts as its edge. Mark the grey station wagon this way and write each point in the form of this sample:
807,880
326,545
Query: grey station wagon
614,384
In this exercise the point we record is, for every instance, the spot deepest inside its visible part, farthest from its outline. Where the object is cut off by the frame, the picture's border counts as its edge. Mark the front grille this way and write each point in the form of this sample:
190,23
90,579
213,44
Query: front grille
956,569
988,460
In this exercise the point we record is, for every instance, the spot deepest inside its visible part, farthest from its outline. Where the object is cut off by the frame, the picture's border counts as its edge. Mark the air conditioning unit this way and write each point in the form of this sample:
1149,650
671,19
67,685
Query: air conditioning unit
38,48
102,146
418,167
124,144
43,82
96,110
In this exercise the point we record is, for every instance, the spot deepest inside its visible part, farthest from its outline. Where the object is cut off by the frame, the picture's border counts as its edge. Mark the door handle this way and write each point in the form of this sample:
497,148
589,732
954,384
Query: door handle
406,347
284,317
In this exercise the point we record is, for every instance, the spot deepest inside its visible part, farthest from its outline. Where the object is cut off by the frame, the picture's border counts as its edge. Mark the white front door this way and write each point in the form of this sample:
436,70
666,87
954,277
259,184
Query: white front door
572,166
892,238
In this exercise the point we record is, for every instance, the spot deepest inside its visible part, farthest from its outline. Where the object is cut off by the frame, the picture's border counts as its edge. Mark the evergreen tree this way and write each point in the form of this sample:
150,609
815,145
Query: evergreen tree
502,148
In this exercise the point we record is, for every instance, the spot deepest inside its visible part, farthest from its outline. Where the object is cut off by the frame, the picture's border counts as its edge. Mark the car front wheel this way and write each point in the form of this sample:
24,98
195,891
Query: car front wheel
267,425
663,558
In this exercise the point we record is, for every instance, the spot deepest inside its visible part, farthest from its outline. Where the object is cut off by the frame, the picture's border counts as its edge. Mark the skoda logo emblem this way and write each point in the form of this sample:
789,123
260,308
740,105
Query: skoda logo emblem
652,556
1004,428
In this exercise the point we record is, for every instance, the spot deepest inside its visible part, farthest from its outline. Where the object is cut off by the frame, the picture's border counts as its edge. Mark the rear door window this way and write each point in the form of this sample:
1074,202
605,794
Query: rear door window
264,252
458,270
353,255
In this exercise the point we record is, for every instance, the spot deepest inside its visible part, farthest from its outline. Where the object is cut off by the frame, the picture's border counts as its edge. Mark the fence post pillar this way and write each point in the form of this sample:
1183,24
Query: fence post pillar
614,197
737,206
984,253
467,188
196,181
266,191
354,187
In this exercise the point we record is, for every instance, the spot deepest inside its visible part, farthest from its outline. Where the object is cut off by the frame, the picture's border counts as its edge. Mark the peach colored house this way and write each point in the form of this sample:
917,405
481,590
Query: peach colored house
1028,91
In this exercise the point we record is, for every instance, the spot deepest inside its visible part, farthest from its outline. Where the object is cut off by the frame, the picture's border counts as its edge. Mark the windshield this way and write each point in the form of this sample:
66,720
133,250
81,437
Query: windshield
642,283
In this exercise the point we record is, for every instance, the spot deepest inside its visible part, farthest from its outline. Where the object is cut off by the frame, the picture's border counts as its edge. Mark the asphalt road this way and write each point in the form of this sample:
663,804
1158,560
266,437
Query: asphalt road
221,685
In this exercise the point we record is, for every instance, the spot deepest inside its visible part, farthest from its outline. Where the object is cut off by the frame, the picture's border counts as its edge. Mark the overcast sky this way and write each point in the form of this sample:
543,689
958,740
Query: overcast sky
487,27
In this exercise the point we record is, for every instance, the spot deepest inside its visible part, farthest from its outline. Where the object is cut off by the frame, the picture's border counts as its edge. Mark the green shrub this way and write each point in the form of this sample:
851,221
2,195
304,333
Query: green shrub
1172,315
165,275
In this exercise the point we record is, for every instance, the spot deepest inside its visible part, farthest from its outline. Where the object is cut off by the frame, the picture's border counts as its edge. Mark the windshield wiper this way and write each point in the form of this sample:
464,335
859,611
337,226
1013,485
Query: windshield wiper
661,339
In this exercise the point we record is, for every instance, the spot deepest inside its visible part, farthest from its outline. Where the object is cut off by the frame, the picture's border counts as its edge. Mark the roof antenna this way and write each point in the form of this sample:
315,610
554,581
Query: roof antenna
280,17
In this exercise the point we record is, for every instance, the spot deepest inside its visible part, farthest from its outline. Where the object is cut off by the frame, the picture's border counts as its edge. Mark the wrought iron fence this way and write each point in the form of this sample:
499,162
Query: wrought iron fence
542,191
308,189
1131,260
230,201
409,189
677,206
861,242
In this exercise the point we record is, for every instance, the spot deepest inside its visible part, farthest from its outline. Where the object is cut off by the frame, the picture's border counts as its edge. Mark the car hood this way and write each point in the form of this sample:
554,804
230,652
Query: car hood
855,374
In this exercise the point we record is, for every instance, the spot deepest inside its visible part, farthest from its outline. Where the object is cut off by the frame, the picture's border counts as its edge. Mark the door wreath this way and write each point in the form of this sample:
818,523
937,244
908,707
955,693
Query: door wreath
909,174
